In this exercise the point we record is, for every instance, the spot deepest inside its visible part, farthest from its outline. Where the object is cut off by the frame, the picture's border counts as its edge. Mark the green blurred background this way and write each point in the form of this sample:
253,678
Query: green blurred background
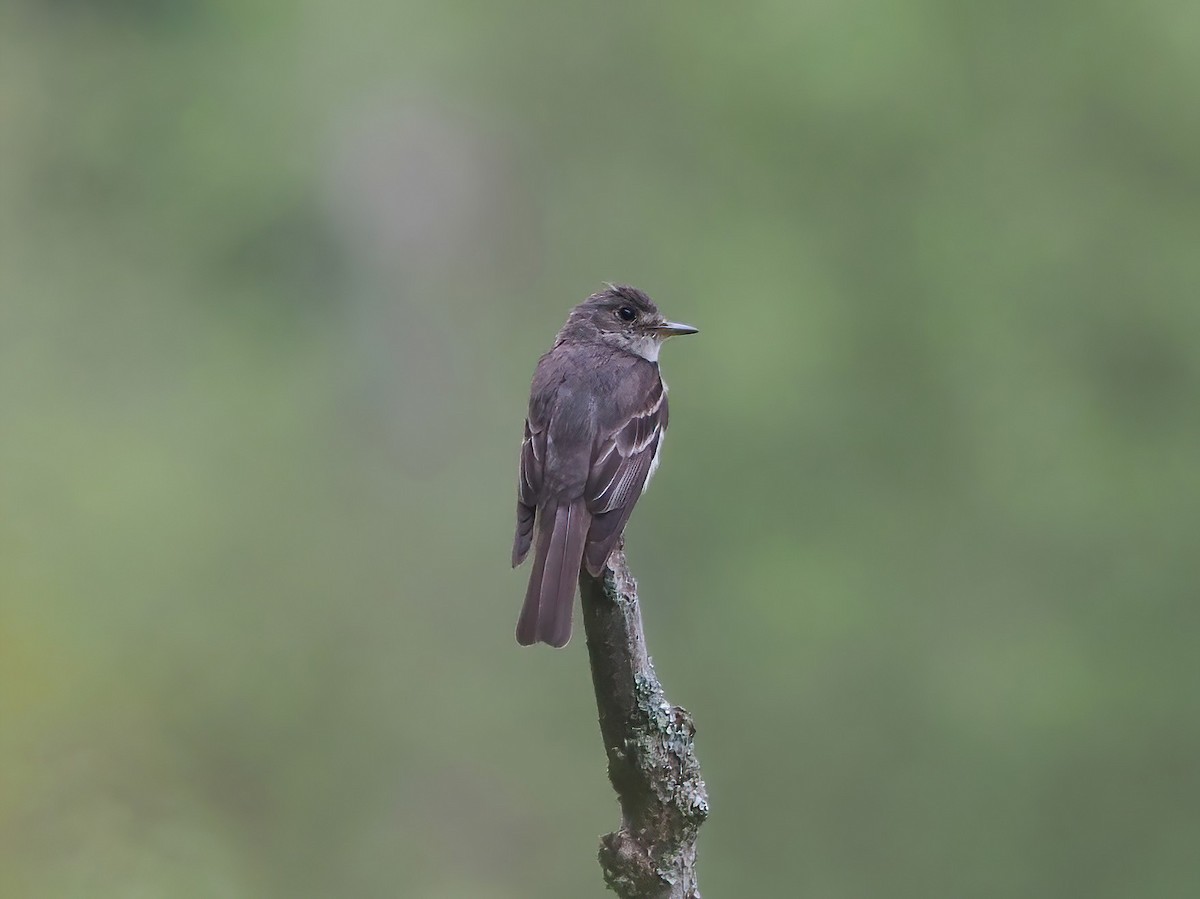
922,560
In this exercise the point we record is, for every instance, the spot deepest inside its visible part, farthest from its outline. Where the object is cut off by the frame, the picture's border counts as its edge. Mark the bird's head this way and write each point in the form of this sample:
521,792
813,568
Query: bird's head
624,318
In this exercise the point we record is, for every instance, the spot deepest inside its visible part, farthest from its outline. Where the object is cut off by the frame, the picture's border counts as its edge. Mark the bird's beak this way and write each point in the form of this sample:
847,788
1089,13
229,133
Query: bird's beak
670,329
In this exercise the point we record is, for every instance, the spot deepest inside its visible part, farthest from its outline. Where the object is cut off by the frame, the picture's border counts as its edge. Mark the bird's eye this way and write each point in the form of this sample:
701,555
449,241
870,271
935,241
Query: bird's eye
626,313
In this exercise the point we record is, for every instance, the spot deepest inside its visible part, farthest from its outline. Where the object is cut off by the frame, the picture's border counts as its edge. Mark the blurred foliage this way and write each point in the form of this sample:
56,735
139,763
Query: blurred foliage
922,558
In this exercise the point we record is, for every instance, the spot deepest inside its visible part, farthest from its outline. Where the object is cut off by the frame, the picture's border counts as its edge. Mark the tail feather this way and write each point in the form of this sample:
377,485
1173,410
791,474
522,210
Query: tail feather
527,624
550,598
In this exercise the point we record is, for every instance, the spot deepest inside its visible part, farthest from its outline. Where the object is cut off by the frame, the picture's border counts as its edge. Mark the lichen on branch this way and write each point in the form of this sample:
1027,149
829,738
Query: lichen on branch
650,746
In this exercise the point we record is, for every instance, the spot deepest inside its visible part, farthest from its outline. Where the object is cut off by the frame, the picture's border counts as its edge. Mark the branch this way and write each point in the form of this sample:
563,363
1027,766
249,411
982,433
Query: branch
651,758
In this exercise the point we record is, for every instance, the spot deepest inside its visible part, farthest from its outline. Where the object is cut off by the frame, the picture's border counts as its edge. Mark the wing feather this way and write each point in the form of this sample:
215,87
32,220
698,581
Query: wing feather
529,485
622,462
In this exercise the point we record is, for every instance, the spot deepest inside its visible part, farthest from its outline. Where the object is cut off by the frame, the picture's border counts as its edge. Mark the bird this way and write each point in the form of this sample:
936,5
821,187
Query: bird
593,435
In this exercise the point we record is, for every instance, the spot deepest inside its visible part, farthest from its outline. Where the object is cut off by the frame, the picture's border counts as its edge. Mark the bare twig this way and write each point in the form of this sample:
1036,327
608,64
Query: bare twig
651,758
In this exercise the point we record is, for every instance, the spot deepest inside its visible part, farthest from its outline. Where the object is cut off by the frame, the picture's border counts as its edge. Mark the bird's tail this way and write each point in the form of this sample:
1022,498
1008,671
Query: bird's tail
550,599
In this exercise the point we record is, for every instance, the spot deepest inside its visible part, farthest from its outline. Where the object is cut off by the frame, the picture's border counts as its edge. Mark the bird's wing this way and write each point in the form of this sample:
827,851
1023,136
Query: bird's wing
529,485
623,459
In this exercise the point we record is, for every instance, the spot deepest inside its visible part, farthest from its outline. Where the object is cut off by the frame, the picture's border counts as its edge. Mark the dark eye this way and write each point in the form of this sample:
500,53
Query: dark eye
626,313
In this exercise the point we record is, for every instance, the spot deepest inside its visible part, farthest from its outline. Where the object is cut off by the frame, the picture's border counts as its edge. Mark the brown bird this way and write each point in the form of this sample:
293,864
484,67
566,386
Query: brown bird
595,428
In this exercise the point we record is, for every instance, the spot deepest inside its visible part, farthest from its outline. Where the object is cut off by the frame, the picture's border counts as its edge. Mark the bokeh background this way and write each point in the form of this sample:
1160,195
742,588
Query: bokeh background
922,559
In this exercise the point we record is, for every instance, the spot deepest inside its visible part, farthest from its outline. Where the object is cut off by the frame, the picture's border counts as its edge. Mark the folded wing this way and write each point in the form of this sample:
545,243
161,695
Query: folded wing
623,460
529,484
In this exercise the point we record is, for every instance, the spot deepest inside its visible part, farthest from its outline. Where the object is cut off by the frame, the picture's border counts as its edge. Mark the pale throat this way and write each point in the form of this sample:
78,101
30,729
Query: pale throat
646,346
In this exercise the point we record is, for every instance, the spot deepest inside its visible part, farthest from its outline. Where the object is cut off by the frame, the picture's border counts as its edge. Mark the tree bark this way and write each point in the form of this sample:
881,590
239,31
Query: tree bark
651,757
